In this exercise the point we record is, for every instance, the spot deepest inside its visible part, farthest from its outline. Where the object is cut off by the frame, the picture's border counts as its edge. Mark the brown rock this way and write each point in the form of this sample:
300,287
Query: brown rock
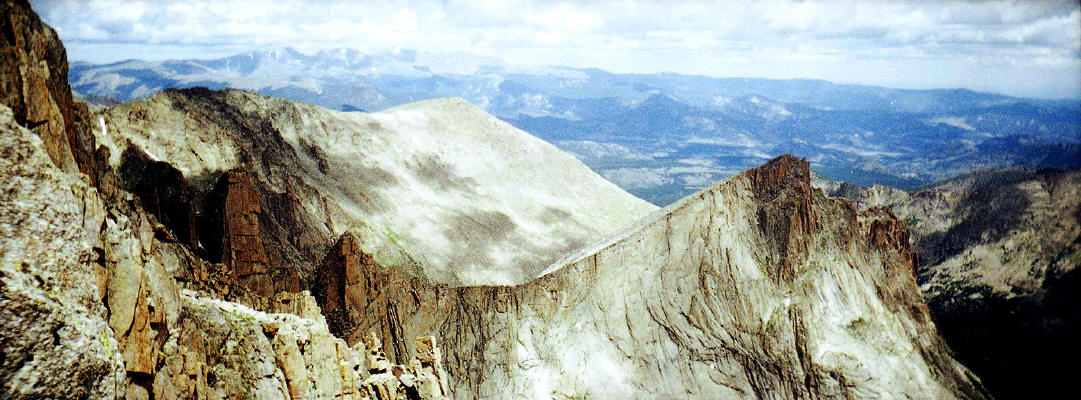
782,187
270,328
892,233
140,353
237,208
998,257
33,83
164,192
55,341
352,286
301,304
691,287
423,378
339,269
136,392
338,286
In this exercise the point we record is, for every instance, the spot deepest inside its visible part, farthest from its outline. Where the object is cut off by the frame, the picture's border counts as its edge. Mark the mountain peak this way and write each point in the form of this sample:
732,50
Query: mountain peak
287,51
782,169
780,175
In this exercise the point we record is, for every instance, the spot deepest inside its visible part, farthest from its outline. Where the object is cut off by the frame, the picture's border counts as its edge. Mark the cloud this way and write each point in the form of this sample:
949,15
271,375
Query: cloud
848,41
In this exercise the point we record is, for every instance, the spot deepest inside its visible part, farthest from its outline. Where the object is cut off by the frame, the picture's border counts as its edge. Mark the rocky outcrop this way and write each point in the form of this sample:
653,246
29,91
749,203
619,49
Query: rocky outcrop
694,302
1000,254
757,287
423,377
242,353
34,79
341,270
224,350
237,209
164,193
34,84
131,302
893,233
358,296
54,338
785,213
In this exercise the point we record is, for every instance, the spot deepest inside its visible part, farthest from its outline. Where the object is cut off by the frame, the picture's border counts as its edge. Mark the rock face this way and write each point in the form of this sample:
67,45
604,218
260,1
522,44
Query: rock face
439,188
757,287
164,193
237,213
423,378
1000,252
51,316
34,84
340,277
224,350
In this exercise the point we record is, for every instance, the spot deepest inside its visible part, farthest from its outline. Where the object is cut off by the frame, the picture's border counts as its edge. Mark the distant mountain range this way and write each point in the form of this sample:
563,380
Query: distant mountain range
659,136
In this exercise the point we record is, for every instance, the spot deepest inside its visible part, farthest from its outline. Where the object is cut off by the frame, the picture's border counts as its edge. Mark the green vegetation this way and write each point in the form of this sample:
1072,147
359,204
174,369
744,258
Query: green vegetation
912,221
857,324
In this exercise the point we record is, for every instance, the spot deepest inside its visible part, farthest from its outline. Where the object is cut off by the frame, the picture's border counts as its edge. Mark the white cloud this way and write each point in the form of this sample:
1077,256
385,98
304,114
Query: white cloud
1027,48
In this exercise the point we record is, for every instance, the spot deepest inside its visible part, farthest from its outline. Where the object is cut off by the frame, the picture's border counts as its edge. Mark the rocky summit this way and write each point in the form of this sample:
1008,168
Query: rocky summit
221,244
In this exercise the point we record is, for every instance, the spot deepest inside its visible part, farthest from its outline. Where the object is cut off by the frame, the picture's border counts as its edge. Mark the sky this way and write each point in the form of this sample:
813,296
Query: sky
1020,48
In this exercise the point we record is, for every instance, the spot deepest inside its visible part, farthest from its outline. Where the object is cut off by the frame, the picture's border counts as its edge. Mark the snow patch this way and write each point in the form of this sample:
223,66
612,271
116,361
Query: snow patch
958,122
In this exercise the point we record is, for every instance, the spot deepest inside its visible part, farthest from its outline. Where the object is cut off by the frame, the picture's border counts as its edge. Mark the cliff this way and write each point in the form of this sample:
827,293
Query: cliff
999,255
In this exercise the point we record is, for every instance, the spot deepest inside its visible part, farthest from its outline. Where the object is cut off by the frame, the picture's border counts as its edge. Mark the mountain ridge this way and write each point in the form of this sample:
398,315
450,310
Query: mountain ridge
447,159
770,256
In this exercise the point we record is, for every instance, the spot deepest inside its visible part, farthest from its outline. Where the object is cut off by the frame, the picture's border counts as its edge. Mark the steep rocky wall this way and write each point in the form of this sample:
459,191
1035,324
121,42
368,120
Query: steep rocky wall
34,84
241,247
223,350
51,316
294,223
693,303
999,254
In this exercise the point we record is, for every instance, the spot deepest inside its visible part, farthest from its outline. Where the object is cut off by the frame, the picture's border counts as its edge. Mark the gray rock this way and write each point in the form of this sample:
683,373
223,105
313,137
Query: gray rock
54,339
1000,251
757,287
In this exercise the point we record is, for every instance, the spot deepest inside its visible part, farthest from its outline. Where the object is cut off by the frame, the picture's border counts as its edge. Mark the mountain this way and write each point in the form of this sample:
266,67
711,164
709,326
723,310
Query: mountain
658,136
1000,253
756,287
181,247
439,187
